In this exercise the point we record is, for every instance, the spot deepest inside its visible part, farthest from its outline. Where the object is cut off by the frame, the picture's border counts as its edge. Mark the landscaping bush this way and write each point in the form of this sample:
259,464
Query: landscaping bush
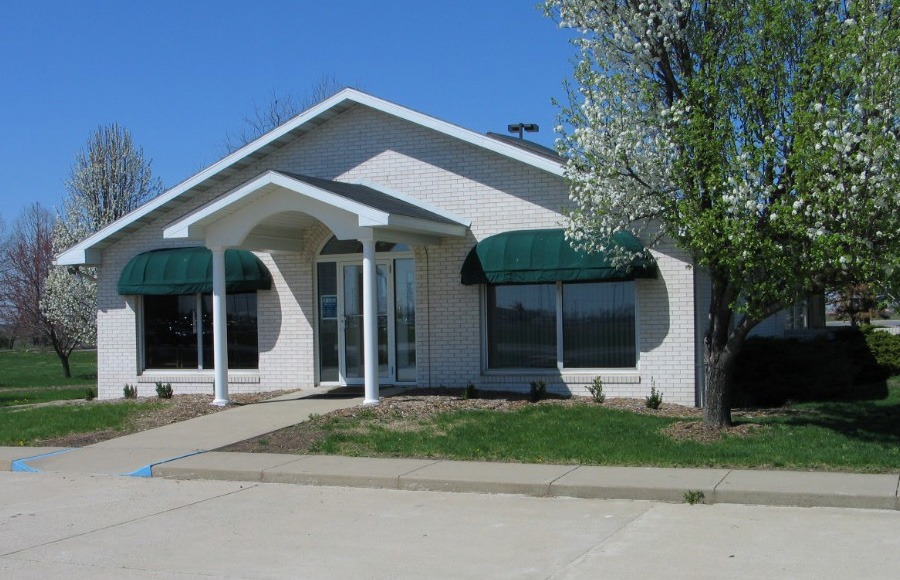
596,390
130,391
885,348
866,367
770,372
538,391
470,392
164,391
655,399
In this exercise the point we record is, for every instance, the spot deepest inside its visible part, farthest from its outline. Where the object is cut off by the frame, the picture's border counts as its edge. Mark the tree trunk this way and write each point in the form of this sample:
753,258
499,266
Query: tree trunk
64,359
61,351
718,355
717,406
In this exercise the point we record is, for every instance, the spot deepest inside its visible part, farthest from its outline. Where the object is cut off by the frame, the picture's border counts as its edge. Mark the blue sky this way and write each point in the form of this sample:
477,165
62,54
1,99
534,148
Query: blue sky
182,74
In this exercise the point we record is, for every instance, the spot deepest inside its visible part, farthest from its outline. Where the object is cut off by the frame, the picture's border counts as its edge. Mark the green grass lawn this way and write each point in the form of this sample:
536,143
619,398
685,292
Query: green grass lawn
25,426
39,368
849,436
11,397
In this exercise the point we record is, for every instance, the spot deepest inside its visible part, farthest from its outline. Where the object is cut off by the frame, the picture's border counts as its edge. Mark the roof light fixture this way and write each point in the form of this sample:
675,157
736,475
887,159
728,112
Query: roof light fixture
520,128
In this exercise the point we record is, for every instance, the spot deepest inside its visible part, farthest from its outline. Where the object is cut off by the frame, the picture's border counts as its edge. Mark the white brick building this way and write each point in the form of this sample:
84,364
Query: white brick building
358,189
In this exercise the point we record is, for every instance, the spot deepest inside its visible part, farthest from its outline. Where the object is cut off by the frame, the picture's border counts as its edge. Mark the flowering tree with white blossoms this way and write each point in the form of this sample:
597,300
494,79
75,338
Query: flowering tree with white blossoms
759,136
110,178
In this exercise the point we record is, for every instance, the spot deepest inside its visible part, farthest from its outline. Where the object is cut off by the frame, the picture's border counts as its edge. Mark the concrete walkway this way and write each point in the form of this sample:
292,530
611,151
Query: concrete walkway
137,453
181,451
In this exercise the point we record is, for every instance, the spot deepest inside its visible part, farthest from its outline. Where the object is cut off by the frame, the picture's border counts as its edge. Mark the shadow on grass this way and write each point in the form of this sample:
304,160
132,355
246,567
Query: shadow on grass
863,420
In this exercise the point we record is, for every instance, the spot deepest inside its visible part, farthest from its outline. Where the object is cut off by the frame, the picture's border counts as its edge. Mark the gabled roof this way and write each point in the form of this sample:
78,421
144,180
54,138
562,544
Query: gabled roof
88,251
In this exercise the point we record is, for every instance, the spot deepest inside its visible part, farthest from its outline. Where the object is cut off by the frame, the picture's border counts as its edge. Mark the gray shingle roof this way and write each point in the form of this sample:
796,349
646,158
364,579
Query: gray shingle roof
527,146
372,198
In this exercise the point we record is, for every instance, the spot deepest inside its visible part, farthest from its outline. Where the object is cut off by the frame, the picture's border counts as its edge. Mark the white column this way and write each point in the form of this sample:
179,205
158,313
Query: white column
370,321
198,329
220,330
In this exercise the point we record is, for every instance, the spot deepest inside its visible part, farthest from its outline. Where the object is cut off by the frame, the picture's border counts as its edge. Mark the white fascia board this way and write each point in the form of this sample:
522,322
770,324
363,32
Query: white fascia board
417,202
427,226
78,257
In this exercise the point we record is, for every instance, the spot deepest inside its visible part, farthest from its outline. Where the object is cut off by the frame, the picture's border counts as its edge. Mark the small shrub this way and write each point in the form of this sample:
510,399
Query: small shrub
694,496
656,397
538,391
130,391
596,390
164,391
470,392
885,347
90,394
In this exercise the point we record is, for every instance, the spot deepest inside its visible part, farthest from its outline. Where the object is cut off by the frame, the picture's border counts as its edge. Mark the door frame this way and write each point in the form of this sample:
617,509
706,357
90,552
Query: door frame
342,260
390,313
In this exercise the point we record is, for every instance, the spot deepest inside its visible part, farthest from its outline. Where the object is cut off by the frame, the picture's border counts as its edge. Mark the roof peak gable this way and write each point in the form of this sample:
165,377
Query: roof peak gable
88,250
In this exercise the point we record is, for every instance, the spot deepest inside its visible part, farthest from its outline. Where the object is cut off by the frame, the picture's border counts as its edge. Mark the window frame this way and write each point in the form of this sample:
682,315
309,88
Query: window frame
141,342
560,368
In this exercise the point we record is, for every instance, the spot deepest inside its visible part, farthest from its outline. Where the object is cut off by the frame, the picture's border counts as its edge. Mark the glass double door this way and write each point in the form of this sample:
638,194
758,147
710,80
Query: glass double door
341,337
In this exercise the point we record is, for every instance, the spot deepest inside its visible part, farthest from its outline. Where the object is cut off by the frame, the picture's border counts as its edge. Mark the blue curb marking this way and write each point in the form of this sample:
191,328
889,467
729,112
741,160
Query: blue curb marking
147,470
22,466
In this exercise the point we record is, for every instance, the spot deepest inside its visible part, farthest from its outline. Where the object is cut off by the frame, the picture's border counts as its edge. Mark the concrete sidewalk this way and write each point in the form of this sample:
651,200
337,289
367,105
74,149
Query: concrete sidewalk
181,451
135,454
776,488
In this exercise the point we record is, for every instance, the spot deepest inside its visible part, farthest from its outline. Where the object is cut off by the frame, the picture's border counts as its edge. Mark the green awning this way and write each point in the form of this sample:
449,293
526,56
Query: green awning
541,256
189,271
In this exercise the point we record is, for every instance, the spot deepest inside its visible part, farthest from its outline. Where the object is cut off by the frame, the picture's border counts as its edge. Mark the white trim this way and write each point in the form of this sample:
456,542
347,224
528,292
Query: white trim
567,377
204,377
86,253
427,226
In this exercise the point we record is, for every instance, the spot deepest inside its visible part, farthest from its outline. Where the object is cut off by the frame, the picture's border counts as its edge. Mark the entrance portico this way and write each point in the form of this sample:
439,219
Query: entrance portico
273,211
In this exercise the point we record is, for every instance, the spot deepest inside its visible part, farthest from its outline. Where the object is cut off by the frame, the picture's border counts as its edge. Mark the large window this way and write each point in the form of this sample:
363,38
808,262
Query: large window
522,326
562,325
178,331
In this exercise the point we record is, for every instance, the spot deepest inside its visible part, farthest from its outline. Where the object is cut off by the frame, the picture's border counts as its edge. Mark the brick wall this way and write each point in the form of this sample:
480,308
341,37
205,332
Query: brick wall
496,193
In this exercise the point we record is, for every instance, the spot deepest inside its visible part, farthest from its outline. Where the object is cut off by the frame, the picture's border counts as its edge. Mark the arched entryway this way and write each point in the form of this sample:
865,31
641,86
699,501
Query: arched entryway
271,212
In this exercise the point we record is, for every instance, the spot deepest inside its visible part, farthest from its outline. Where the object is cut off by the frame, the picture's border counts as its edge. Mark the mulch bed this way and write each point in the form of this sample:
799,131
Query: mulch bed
400,411
407,409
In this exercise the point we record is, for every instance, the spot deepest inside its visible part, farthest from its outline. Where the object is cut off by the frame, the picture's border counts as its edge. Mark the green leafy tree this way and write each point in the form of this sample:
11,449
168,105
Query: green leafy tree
109,179
761,137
